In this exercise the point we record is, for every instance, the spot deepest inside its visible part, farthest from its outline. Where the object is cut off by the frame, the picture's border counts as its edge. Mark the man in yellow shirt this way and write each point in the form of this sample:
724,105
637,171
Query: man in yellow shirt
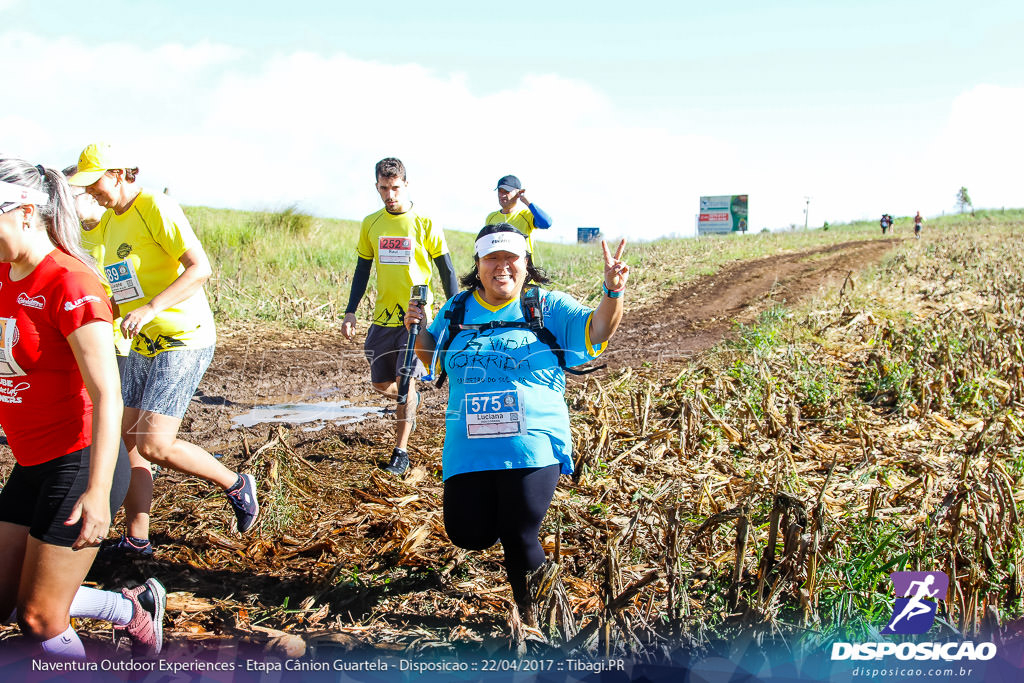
525,220
401,244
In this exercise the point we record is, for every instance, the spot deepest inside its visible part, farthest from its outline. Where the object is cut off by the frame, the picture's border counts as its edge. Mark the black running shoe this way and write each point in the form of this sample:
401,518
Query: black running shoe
399,462
242,497
126,546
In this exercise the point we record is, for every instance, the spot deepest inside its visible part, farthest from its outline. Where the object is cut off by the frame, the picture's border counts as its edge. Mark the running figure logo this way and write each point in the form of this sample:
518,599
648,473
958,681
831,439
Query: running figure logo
914,612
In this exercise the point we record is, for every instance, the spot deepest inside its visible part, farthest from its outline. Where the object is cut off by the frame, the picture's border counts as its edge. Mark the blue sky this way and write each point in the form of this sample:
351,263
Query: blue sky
618,117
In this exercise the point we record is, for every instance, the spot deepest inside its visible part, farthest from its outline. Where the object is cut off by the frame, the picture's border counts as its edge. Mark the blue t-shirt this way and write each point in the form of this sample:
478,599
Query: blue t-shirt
506,393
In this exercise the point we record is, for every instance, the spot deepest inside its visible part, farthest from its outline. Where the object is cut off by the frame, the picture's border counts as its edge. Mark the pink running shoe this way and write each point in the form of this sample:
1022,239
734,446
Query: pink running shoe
146,629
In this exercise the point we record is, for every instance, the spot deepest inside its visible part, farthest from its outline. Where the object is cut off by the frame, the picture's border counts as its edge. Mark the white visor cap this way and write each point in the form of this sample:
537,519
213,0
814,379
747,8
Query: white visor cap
19,194
512,242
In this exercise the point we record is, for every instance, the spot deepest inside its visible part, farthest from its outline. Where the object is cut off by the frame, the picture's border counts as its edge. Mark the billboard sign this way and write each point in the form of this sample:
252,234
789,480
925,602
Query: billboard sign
587,235
721,214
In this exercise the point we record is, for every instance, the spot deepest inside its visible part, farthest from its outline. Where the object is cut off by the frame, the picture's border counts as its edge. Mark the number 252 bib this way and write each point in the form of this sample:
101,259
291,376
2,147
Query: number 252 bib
394,251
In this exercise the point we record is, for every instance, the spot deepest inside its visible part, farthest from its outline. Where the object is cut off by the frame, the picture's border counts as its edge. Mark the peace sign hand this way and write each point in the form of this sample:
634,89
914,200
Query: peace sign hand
616,272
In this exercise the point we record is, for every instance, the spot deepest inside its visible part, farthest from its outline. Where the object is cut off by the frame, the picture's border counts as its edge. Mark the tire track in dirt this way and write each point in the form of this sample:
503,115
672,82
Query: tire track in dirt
698,315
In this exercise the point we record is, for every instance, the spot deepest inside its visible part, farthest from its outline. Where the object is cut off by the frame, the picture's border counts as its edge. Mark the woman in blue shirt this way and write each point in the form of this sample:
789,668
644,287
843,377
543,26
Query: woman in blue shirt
507,434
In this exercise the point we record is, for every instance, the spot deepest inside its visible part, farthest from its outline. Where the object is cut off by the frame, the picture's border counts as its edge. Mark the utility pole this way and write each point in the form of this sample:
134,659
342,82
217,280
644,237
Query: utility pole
807,210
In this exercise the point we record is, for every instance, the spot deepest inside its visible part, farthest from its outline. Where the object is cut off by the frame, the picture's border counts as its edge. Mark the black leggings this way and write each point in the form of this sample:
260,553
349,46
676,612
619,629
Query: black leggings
482,508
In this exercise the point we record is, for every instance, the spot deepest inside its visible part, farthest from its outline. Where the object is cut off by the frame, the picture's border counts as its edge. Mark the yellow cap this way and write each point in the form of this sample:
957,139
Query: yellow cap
94,161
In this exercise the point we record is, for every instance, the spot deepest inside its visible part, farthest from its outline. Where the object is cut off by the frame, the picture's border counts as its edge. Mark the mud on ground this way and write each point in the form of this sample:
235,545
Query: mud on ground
333,558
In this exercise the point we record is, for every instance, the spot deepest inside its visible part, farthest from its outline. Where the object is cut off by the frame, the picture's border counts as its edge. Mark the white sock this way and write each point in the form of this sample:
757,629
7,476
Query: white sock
104,605
96,604
66,646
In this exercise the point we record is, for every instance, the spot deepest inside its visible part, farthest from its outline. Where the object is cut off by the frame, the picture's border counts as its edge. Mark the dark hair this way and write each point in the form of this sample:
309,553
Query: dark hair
58,215
389,168
534,274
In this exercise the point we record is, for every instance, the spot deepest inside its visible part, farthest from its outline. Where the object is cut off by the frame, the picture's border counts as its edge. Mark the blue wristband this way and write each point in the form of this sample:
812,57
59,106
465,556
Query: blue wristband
612,293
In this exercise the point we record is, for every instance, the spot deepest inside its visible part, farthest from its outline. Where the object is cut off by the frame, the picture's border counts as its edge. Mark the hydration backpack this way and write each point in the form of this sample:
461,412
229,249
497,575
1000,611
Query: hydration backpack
529,299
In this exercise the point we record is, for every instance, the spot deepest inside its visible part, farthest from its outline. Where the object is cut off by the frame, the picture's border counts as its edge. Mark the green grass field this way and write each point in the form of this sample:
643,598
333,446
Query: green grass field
290,269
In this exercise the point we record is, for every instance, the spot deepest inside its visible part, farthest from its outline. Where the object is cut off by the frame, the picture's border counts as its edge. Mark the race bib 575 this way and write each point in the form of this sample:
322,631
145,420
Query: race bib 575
495,414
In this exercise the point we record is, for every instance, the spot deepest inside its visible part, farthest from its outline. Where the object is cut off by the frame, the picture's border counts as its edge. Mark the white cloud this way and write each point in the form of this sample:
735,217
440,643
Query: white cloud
982,146
227,128
306,128
325,122
23,136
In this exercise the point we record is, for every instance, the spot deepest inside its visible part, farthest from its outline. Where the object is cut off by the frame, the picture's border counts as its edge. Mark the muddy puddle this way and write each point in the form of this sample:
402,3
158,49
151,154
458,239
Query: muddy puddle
310,414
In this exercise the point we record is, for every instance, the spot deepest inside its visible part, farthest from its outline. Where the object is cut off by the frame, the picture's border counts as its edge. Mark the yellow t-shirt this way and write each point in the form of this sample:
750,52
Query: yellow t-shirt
402,247
121,345
521,220
141,248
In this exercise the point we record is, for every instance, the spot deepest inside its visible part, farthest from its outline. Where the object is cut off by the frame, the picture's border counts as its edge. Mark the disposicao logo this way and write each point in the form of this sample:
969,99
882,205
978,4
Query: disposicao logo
913,613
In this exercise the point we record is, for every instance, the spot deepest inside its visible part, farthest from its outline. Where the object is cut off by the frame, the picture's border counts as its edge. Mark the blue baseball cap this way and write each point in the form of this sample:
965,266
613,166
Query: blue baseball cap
509,183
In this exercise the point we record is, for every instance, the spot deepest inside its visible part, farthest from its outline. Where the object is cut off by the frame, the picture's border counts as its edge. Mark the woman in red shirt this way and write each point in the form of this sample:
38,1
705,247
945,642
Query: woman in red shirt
60,408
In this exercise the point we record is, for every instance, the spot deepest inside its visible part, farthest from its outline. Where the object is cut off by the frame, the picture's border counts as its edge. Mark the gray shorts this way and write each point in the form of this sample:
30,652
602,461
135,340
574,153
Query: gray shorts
165,383
385,350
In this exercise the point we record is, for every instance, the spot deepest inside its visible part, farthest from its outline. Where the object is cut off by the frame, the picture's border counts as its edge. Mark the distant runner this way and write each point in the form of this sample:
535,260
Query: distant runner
885,222
401,244
917,225
525,220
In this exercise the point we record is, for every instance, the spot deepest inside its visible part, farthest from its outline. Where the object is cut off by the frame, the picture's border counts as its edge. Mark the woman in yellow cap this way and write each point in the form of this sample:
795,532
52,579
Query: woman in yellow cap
156,267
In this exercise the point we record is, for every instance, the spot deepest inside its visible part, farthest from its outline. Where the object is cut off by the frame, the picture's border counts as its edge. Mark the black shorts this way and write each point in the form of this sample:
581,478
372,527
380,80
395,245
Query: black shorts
385,350
42,496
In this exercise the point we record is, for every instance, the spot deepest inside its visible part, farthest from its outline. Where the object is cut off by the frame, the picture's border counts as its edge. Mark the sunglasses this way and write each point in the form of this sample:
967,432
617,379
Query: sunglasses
8,207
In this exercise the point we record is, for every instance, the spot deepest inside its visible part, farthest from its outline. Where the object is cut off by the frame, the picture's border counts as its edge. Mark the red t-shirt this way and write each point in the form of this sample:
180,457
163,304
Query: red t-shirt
45,409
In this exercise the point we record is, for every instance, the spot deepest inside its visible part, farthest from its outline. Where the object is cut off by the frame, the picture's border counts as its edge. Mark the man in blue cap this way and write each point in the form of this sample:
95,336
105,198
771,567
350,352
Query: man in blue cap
525,220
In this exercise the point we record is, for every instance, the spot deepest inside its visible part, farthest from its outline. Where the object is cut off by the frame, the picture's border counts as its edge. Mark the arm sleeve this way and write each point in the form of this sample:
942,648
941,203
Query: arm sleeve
359,280
447,270
541,219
